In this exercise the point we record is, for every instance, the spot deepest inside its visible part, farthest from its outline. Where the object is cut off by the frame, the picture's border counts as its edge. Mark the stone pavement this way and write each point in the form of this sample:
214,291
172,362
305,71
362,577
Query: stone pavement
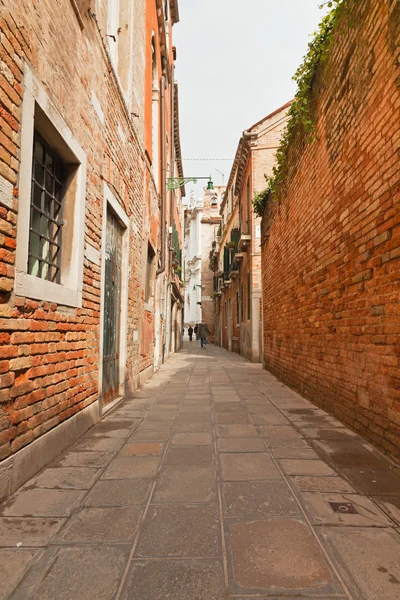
215,481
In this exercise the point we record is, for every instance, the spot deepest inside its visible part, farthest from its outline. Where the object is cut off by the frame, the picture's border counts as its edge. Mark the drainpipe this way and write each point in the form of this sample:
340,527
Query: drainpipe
161,268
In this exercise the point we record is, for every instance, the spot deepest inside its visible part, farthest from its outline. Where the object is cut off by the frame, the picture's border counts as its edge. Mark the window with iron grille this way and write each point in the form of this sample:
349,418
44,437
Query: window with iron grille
48,179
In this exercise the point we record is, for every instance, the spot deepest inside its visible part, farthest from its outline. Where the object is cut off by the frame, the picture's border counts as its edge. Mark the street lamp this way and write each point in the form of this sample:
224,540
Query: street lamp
174,183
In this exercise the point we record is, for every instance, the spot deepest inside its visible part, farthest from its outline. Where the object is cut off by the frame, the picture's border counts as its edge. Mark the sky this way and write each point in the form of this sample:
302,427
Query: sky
235,62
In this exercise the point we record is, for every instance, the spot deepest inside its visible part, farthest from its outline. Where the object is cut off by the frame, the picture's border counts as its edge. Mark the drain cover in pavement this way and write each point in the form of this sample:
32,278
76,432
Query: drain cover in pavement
346,508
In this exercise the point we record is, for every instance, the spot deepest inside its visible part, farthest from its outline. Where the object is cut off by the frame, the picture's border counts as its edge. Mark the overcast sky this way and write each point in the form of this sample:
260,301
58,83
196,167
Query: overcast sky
235,64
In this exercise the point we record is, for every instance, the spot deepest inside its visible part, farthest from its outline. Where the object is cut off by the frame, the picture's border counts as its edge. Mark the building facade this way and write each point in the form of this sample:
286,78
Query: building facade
192,261
90,293
238,286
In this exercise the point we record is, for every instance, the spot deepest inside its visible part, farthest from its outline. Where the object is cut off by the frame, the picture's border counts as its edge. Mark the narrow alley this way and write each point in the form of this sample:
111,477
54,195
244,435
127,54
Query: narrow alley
213,481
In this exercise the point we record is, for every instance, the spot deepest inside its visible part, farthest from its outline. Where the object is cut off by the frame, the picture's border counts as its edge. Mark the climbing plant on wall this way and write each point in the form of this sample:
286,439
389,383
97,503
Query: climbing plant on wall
300,112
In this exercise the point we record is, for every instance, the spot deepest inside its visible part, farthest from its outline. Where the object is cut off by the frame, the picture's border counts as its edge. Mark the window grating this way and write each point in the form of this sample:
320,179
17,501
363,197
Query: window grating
48,179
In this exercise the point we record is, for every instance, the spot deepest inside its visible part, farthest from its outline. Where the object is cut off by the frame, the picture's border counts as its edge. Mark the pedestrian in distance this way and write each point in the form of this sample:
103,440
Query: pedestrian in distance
203,333
190,333
196,332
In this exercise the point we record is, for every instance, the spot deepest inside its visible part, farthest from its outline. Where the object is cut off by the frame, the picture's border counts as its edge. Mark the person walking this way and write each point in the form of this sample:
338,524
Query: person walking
203,333
196,331
190,332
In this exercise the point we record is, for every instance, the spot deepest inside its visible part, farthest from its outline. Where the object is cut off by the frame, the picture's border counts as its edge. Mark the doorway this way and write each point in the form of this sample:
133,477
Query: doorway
112,308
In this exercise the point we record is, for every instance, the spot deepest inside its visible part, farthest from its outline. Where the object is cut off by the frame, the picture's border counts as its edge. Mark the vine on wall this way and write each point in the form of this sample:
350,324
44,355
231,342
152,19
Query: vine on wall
300,112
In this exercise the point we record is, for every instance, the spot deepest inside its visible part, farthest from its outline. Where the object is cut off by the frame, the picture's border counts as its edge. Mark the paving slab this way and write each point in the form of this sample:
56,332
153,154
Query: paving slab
90,573
242,431
139,467
232,419
343,509
175,580
374,482
354,453
295,453
149,436
82,459
191,439
75,478
141,449
40,503
34,532
95,444
258,498
276,555
13,565
370,561
248,467
200,456
111,524
306,467
322,484
233,444
390,505
173,485
286,442
180,531
119,492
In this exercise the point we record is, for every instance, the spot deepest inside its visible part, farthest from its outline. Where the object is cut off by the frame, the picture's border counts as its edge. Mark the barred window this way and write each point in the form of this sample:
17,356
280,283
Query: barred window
48,179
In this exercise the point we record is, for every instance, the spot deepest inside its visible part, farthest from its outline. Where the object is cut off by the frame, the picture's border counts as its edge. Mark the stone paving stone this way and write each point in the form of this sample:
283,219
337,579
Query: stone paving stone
119,492
279,431
276,554
150,436
285,442
111,524
242,431
155,426
117,428
200,456
28,531
12,566
89,573
336,433
390,505
266,419
240,445
191,439
368,515
118,434
295,453
91,444
374,482
40,503
82,459
141,449
248,467
139,467
258,498
186,484
193,427
180,531
306,467
232,419
370,558
175,580
322,484
76,478
353,452
194,418
227,407
195,410
161,415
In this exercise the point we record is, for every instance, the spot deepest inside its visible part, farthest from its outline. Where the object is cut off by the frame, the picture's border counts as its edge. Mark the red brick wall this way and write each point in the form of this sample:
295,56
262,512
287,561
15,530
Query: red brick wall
49,354
331,249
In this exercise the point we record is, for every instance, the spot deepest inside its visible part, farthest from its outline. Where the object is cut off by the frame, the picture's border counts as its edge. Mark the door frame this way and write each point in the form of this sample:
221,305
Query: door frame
229,320
110,201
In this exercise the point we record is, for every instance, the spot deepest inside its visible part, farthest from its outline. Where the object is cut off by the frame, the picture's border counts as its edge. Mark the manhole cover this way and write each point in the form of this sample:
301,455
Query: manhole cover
346,508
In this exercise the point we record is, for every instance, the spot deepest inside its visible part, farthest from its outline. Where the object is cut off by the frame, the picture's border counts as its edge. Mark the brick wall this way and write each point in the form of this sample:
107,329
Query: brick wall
331,248
49,354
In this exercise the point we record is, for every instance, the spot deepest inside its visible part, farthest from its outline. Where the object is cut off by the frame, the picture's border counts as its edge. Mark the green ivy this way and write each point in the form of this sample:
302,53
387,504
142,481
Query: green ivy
300,112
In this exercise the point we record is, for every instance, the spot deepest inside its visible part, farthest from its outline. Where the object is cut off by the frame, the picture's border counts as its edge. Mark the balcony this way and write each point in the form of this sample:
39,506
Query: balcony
245,235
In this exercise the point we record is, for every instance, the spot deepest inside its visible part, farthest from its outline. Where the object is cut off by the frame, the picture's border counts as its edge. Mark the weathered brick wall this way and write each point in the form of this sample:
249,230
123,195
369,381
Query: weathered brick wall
49,354
331,249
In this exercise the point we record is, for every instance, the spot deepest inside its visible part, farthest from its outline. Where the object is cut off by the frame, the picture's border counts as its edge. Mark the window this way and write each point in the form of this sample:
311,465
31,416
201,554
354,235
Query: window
241,303
237,309
149,273
51,218
248,296
248,194
48,179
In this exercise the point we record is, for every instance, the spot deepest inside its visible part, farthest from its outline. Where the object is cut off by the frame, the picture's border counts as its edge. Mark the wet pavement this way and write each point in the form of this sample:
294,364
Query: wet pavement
215,481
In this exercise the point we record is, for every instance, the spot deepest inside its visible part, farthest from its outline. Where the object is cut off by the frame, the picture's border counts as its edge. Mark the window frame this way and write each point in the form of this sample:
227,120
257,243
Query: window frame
39,112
